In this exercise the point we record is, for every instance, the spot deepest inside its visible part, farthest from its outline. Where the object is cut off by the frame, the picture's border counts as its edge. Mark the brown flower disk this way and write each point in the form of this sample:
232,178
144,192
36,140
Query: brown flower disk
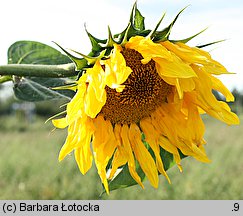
144,91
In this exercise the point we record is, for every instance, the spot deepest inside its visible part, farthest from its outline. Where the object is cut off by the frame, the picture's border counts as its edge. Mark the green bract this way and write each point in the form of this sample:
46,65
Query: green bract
101,48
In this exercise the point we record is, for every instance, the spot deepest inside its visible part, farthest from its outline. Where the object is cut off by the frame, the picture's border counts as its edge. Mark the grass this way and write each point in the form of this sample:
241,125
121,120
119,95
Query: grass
29,167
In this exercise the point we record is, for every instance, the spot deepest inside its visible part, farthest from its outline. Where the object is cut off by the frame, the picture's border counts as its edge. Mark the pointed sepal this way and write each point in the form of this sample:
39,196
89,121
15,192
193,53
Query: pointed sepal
80,63
125,37
137,19
91,60
153,32
165,33
189,38
95,42
110,42
135,26
209,44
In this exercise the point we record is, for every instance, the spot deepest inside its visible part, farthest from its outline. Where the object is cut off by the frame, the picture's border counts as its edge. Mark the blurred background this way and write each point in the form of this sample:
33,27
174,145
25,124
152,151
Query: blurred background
29,167
29,147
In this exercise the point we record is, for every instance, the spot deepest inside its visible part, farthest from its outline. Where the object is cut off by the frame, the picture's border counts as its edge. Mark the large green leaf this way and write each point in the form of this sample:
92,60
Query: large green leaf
35,88
40,89
32,52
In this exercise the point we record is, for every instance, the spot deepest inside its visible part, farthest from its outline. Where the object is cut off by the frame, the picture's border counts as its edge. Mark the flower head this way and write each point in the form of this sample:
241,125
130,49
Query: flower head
141,92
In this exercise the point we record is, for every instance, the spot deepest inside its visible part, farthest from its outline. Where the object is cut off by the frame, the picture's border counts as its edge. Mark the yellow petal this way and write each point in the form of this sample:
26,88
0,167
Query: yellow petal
60,123
184,125
148,49
92,106
226,115
116,71
96,80
119,159
182,85
75,107
207,101
185,52
95,96
187,85
143,156
104,142
166,124
195,124
216,69
195,55
129,154
104,145
102,174
69,143
117,133
200,155
83,155
175,68
151,136
77,136
212,66
101,136
219,86
177,132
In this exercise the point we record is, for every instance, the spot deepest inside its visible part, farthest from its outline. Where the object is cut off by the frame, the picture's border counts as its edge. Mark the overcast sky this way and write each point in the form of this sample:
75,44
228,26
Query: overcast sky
63,21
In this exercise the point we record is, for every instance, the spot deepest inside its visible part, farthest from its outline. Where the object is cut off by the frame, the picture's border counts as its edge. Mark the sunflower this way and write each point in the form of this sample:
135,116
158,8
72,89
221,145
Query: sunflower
140,92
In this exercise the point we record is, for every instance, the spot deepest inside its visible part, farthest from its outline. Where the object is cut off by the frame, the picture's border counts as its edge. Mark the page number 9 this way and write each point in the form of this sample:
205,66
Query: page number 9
236,207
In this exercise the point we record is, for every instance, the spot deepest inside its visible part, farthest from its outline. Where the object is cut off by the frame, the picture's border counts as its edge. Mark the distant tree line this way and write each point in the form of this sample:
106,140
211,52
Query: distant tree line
237,106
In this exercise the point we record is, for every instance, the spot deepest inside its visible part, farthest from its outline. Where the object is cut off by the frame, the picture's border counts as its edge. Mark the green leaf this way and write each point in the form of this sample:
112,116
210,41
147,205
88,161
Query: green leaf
167,158
31,52
33,88
40,89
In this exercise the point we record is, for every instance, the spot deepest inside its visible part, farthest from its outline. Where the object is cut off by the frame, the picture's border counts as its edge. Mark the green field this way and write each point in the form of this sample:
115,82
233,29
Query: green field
29,168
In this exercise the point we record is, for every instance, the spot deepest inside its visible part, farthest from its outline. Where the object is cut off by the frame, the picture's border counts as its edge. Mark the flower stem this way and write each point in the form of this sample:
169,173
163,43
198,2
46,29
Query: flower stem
31,70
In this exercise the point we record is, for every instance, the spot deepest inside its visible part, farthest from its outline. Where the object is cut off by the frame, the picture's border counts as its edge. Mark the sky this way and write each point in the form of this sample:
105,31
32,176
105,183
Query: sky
63,22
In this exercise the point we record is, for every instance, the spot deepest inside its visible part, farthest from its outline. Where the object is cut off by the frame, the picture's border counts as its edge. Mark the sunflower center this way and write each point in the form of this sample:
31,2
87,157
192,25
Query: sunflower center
144,91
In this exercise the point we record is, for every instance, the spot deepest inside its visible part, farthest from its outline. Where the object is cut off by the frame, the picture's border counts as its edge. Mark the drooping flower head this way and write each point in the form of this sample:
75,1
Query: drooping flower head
140,93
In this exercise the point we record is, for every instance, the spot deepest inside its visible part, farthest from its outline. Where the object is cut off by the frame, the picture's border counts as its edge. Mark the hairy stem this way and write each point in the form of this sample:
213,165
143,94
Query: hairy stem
31,70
